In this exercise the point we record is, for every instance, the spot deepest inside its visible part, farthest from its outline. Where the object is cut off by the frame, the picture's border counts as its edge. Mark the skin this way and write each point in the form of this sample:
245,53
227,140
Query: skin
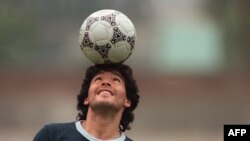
107,100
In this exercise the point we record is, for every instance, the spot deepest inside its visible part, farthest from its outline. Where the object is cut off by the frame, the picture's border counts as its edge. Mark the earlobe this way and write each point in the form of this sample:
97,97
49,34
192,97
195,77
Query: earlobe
127,103
86,101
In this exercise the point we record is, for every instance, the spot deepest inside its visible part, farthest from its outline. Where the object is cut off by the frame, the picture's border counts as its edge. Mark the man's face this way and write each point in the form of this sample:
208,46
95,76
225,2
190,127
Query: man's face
107,90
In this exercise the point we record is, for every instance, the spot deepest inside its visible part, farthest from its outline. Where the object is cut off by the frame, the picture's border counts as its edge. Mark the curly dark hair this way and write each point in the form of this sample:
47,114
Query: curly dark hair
130,86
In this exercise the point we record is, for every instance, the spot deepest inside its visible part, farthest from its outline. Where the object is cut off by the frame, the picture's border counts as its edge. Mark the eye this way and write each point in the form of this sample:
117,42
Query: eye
117,79
98,78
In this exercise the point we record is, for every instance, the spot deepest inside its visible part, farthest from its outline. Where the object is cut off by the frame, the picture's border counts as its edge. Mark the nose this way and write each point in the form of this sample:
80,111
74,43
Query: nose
106,82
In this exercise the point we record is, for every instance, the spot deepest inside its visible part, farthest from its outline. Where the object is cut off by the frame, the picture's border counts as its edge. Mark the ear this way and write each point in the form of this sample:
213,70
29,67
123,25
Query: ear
127,103
86,101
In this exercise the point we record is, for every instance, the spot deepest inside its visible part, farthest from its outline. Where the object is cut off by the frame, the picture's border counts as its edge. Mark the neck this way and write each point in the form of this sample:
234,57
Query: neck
103,126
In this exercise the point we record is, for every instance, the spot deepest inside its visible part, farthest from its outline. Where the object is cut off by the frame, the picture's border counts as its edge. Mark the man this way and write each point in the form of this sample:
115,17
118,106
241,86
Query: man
106,102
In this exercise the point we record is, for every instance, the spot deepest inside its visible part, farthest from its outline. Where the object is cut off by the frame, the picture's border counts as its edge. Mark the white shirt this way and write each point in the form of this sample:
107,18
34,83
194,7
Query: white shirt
92,138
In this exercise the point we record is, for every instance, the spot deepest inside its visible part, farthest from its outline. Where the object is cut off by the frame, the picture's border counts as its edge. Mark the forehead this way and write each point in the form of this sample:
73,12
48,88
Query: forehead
116,73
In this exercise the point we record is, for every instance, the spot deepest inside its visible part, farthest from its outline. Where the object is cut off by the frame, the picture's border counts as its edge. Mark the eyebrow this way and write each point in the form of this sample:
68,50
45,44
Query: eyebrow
118,74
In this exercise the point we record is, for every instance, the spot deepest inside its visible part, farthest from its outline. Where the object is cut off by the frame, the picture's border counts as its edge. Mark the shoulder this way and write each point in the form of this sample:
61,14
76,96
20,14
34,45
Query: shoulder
53,130
59,127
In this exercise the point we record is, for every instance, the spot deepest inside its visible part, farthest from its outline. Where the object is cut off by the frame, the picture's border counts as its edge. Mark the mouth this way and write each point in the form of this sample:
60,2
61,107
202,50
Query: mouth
105,92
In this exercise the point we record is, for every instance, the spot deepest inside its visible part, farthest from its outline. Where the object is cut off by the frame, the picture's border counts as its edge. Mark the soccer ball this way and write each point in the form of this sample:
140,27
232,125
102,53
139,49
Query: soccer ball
107,36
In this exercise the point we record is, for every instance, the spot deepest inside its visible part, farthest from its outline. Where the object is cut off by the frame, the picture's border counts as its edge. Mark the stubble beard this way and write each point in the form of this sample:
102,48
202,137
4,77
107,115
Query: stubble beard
105,108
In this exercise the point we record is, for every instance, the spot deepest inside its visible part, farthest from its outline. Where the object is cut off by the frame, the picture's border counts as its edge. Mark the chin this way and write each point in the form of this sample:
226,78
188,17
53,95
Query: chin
105,106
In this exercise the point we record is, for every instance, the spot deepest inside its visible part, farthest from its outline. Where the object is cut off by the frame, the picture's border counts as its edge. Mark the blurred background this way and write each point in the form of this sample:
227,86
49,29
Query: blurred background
191,63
